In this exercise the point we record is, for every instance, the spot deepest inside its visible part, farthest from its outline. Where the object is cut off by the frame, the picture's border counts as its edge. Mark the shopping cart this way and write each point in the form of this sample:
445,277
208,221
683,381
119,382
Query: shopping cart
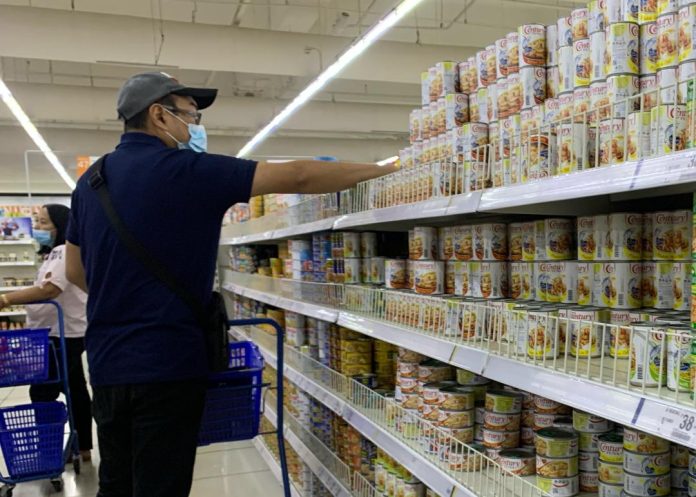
234,398
32,436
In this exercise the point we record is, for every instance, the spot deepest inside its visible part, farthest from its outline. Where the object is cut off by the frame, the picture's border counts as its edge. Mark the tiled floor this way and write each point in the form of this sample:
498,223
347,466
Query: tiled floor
231,469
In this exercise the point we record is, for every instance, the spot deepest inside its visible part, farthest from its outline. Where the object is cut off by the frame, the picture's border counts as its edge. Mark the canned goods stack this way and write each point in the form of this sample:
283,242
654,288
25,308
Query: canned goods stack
428,273
384,356
406,391
295,329
392,479
256,209
502,420
557,461
321,256
590,428
679,470
646,464
549,413
320,424
299,264
431,405
243,259
354,357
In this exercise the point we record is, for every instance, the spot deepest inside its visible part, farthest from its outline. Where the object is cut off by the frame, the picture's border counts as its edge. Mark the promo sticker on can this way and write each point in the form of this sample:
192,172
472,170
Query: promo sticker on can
533,82
687,25
648,48
667,40
611,141
532,45
581,62
622,90
597,48
513,58
649,91
578,22
623,50
552,45
566,69
686,76
638,135
501,58
599,102
668,128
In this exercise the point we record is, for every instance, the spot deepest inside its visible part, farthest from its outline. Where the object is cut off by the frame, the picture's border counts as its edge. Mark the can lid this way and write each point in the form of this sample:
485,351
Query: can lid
611,437
557,433
504,393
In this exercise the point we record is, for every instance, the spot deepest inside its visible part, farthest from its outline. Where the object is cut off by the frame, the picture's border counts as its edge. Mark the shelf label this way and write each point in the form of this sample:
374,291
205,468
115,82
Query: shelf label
687,168
677,424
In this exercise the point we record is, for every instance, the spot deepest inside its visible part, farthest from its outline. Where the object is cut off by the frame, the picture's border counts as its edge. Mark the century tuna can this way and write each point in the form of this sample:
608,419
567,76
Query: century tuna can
608,490
687,25
611,141
622,90
680,479
532,45
553,467
679,359
626,236
621,285
612,473
647,12
429,277
503,402
667,41
589,423
559,487
595,22
587,247
517,461
566,70
638,132
501,439
681,285
565,32
424,243
578,23
503,422
395,273
501,56
597,48
582,62
667,85
668,128
544,420
581,104
610,447
679,456
456,398
552,89
588,442
648,48
503,95
686,74
455,419
648,90
588,462
513,59
558,238
555,442
533,81
491,74
490,242
492,104
527,436
644,486
646,464
433,370
541,340
623,50
644,443
589,482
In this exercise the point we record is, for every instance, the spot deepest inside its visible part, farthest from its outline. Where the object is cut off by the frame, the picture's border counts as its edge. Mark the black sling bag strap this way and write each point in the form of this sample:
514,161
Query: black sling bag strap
213,320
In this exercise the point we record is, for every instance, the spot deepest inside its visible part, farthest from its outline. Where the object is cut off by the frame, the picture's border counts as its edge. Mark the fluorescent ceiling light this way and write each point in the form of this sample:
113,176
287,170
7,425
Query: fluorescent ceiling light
388,160
21,116
354,51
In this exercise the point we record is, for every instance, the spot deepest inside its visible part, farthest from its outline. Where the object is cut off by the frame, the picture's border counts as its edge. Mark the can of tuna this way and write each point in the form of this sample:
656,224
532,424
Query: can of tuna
532,40
490,241
599,102
611,473
595,21
565,32
527,436
686,75
558,487
679,359
681,285
588,442
588,462
611,141
623,51
501,57
687,24
597,48
582,62
648,48
642,485
667,6
608,490
456,398
513,59
622,90
455,419
646,464
424,243
501,439
533,81
566,69
429,277
502,89
630,10
611,447
558,238
667,84
554,467
552,45
680,479
578,22
657,285
668,128
589,423
472,78
556,442
589,482
481,69
638,137
552,77
352,270
463,242
504,422
626,233
679,457
543,420
581,104
667,41
614,11
514,93
647,11
621,284
517,461
463,70
644,443
648,90
491,74
395,273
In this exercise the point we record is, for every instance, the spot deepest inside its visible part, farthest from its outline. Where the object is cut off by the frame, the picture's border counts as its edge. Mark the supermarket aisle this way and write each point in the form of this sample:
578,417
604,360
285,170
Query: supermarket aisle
221,470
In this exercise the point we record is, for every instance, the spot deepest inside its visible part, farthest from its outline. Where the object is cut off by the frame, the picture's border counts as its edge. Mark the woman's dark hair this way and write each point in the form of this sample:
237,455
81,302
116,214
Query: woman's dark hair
59,215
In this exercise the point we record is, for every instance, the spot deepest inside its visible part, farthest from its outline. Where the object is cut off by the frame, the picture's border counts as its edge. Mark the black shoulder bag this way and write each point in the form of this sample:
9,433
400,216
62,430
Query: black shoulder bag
213,320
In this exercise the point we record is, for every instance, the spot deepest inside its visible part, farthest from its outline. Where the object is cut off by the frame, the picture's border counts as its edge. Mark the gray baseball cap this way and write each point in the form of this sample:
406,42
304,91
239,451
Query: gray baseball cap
142,90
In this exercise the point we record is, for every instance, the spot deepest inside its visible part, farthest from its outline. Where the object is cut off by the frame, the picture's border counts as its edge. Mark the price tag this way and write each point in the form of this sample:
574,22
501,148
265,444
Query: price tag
677,424
688,168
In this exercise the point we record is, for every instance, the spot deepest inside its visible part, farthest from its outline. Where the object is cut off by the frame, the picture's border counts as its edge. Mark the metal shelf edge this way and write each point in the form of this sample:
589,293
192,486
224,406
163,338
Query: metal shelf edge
421,210
273,465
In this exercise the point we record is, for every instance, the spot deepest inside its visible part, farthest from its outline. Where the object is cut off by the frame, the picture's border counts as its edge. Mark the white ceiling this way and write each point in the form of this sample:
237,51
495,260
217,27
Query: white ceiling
65,60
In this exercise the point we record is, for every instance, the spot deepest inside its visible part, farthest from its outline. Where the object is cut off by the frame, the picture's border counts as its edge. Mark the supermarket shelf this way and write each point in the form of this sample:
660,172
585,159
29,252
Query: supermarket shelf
18,264
327,478
306,308
273,464
628,407
417,464
429,209
279,234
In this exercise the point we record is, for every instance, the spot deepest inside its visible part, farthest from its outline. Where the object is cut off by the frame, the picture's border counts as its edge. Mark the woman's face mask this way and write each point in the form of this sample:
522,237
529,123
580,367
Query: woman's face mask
44,238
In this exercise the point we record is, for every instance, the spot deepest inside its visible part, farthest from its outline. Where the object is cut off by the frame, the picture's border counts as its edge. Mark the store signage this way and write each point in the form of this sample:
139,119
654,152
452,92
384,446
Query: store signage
83,163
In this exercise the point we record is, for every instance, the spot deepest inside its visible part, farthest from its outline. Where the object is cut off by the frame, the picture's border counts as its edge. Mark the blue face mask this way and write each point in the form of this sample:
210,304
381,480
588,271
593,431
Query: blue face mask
44,238
198,138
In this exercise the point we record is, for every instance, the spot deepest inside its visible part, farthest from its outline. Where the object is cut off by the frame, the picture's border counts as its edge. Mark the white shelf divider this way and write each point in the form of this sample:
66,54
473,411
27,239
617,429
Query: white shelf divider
273,464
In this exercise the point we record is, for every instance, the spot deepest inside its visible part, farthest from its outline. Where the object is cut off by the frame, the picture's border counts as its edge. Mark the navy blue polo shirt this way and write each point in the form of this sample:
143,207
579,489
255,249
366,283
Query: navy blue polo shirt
173,201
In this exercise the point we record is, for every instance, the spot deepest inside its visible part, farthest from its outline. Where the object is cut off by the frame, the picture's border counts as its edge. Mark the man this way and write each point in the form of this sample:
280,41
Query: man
146,352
